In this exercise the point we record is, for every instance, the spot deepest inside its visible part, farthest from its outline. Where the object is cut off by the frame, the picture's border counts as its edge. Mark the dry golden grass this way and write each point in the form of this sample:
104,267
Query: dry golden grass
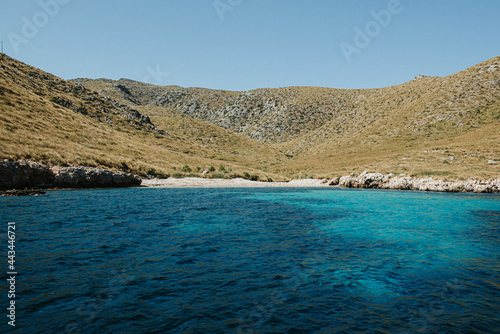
33,127
455,158
441,127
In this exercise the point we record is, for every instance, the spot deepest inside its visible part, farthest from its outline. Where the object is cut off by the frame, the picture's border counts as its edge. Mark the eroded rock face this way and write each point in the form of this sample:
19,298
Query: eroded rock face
389,181
26,174
92,177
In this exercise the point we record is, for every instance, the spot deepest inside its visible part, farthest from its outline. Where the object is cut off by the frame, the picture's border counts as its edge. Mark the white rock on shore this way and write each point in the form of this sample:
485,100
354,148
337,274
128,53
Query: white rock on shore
365,180
389,181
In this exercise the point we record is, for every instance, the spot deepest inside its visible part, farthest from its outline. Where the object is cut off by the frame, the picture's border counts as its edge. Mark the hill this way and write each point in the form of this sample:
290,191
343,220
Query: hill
50,120
447,127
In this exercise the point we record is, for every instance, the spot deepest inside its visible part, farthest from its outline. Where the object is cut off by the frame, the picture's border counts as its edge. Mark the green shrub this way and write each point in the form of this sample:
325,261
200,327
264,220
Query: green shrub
211,169
161,175
186,169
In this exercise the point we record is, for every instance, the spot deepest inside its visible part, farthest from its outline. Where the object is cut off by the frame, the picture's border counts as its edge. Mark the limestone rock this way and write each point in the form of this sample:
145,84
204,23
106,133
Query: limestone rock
389,181
334,182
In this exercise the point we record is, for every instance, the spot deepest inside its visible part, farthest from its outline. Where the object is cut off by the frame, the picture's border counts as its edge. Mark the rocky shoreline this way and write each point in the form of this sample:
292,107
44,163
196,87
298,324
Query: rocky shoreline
25,192
25,174
365,180
390,181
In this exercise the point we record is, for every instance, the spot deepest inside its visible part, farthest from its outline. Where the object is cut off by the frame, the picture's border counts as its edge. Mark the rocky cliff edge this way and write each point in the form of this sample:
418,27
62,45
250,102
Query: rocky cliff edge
29,174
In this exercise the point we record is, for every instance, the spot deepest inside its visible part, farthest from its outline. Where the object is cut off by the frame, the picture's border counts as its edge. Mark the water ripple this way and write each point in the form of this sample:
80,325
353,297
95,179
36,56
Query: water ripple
256,261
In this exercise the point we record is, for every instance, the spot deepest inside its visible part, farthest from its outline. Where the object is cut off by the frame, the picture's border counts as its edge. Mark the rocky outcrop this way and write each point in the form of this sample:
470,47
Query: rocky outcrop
24,174
28,174
92,177
389,181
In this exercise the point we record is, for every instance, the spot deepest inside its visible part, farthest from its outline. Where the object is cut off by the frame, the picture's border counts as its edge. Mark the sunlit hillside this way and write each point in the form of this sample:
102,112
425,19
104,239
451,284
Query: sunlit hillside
445,127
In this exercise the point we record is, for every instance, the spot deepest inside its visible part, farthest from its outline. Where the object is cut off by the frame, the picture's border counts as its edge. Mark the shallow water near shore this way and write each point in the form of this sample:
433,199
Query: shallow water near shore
259,260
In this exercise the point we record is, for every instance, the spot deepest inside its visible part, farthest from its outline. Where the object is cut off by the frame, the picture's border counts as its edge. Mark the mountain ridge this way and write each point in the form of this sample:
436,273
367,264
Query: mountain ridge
444,126
271,115
50,120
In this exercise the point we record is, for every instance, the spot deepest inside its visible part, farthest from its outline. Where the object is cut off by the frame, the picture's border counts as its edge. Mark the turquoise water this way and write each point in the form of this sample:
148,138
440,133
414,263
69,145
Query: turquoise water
255,261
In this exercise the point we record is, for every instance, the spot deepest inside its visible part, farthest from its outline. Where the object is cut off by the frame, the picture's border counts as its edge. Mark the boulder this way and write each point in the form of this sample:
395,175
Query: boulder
334,182
348,181
369,180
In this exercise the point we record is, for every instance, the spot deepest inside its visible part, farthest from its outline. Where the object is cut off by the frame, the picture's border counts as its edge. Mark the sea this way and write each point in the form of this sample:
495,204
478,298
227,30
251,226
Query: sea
250,260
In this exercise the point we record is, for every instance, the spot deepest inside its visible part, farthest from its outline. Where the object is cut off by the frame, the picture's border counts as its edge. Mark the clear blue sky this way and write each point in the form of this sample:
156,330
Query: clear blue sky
247,44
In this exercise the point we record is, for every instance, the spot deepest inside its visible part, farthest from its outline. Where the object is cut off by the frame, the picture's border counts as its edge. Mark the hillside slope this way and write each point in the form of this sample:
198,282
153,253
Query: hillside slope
432,126
429,126
47,119
280,115
444,127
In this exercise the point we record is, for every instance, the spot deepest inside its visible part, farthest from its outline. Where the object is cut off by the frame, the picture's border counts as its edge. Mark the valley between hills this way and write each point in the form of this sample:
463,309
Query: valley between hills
444,127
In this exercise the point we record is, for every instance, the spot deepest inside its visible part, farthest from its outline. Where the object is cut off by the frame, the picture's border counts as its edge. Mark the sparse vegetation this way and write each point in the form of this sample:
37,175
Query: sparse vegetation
442,127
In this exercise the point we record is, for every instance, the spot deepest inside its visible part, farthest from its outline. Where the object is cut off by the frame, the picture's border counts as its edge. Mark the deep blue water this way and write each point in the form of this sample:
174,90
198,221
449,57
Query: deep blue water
269,260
